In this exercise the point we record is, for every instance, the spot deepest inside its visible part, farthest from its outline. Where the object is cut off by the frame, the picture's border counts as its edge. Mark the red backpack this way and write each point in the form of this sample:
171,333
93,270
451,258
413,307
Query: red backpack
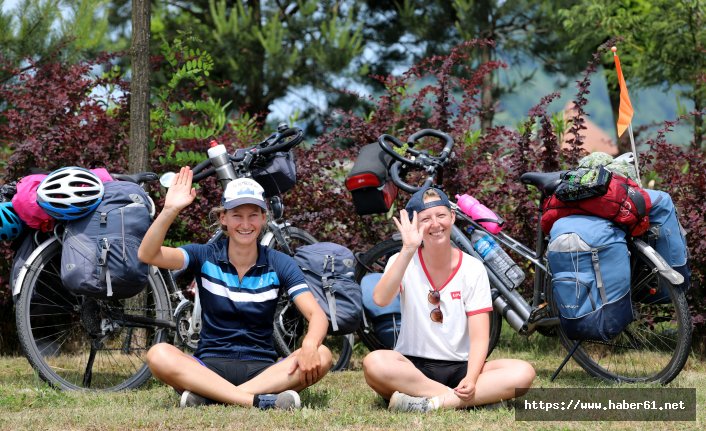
625,203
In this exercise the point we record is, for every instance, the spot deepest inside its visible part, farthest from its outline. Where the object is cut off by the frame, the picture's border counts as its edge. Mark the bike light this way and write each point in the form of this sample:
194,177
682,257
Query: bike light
362,180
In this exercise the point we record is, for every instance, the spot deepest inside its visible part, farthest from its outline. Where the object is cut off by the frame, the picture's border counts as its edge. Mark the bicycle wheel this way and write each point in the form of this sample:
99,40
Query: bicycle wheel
80,343
374,260
655,346
290,326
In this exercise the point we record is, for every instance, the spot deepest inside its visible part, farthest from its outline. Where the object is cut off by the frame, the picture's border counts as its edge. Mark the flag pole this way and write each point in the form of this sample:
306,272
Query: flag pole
634,154
625,112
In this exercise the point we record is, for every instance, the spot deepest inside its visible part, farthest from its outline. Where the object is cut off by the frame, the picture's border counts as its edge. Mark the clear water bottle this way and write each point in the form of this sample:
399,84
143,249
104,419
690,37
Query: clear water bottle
495,257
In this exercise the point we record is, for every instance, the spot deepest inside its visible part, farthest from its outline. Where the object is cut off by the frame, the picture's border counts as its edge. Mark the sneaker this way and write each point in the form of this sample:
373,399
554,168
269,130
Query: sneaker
287,400
190,399
406,403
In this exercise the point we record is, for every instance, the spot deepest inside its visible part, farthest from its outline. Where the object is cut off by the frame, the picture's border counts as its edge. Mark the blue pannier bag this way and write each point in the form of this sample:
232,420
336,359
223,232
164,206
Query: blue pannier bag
329,270
668,238
590,265
386,320
99,256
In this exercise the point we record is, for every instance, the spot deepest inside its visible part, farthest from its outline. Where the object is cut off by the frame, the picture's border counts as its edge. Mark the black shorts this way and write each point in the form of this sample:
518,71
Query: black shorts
235,371
449,373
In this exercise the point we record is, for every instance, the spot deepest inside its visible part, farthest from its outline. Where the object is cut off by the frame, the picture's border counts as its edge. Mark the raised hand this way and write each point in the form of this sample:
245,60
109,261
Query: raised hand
180,193
412,233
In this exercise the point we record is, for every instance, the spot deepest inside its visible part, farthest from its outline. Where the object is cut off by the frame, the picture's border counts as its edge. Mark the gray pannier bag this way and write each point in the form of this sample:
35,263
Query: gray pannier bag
99,256
329,271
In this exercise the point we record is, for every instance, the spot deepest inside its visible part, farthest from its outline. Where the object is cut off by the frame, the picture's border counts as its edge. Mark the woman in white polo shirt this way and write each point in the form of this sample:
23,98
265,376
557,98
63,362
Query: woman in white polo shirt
439,360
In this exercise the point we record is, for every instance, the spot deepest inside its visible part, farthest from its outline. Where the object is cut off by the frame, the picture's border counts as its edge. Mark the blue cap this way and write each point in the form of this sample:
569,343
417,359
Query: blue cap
416,202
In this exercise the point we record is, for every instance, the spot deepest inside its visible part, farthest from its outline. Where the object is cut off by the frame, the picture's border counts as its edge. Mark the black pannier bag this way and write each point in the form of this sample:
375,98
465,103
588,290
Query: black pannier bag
369,181
583,183
277,175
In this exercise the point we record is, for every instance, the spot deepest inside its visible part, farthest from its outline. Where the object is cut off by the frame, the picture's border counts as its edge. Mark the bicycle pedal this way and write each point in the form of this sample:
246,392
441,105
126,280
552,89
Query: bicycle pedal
540,312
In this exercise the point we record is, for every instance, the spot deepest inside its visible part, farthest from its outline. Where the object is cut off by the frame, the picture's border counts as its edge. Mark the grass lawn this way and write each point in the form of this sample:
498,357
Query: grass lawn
341,401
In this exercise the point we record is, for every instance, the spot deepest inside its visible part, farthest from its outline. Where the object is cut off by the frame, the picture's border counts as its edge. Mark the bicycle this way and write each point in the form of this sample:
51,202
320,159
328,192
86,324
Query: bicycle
82,343
653,348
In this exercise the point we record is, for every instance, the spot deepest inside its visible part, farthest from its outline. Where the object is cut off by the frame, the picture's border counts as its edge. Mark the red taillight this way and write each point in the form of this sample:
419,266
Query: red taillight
362,180
389,193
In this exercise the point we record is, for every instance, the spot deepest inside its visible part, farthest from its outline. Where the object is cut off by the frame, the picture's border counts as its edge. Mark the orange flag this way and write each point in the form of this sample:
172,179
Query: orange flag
625,110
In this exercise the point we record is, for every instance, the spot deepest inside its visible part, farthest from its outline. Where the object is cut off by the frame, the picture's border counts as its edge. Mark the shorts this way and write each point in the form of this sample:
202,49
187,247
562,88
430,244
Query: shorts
235,371
448,373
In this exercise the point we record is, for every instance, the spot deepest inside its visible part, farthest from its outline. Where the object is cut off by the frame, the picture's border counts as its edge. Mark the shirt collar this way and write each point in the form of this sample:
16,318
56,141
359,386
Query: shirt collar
222,253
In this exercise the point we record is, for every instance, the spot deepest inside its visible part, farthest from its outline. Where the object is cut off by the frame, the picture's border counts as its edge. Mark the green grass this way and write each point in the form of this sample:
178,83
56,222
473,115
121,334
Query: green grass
340,401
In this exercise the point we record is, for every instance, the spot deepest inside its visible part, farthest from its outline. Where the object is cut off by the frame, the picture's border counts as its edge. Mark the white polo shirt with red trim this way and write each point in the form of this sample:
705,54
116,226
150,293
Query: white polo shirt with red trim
465,293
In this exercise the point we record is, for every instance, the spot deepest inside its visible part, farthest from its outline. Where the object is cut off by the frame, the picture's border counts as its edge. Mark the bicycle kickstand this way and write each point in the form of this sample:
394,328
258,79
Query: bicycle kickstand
566,359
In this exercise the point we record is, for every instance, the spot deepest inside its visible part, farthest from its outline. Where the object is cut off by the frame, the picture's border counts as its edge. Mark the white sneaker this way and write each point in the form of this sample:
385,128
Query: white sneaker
400,402
190,399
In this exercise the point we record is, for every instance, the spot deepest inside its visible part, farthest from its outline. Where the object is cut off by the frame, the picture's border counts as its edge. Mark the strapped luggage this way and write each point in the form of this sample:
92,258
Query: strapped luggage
583,183
386,320
25,204
625,203
369,183
667,237
329,271
590,265
278,175
99,256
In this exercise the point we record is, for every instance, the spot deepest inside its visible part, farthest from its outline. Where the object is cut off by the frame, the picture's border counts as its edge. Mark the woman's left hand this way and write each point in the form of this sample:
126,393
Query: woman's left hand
466,389
309,363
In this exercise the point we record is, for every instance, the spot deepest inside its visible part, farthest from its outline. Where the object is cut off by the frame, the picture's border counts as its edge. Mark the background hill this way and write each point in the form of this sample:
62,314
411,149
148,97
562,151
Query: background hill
652,106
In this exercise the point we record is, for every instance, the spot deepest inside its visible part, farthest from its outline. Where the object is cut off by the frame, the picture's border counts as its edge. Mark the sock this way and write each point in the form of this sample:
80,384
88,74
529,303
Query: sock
264,402
437,402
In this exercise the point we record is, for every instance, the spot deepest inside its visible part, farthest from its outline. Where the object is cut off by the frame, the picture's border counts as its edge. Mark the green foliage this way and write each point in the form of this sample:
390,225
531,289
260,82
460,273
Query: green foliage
662,43
262,49
35,28
188,67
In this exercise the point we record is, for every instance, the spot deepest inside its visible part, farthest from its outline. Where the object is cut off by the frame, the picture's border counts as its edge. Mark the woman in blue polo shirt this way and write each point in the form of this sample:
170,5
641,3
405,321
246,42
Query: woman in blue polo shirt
238,283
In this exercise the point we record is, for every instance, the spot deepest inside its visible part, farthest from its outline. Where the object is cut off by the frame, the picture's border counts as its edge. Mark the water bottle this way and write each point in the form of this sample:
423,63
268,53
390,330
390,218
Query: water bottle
499,262
219,159
477,211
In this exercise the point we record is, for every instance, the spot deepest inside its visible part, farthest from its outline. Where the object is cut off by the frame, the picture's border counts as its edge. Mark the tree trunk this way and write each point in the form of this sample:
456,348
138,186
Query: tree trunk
487,102
140,87
487,31
699,117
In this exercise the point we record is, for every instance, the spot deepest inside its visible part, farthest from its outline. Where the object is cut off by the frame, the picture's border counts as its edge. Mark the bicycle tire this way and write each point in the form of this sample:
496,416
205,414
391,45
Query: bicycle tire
290,326
374,260
654,347
54,328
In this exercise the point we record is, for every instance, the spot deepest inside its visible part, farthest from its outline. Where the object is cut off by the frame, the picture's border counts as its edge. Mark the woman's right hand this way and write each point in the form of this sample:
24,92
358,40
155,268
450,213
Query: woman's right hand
412,232
180,193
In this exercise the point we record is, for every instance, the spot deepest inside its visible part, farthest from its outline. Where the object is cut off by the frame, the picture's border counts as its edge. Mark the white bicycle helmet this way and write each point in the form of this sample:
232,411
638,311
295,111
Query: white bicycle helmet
70,193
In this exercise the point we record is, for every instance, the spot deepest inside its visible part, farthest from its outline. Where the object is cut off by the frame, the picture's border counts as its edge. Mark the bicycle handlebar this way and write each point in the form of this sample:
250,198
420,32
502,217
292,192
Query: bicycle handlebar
420,159
283,140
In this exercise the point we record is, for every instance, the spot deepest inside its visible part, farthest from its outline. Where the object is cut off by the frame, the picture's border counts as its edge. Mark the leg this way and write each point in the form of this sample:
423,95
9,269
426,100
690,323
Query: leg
387,371
277,379
184,372
497,381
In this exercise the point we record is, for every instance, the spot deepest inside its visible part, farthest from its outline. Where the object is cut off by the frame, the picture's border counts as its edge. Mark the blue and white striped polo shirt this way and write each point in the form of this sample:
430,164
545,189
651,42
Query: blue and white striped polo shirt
237,315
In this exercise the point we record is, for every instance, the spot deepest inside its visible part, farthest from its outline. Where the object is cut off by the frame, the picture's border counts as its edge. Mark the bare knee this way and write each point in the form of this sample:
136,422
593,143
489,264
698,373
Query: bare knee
527,375
161,359
326,357
375,365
